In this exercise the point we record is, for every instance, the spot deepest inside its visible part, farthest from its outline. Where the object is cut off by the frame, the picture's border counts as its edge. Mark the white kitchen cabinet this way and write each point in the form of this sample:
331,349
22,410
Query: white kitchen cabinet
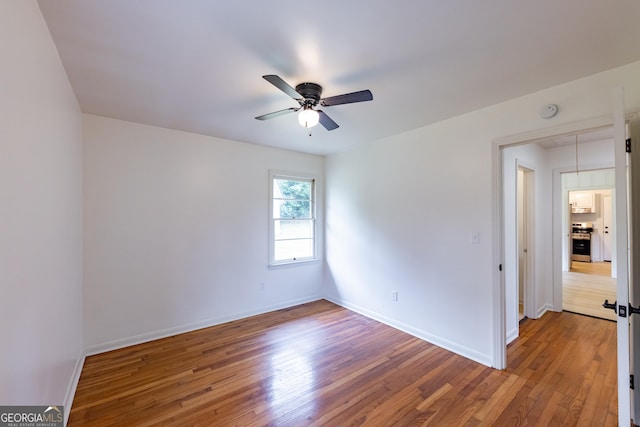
582,201
588,180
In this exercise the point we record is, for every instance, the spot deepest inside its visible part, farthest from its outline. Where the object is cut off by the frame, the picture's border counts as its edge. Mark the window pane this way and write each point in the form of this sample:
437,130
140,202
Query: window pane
293,229
293,249
292,219
291,209
292,189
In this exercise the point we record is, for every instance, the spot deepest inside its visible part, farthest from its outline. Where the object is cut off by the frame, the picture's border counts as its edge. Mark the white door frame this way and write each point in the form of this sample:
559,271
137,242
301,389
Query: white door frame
558,225
608,227
499,328
499,338
529,233
566,240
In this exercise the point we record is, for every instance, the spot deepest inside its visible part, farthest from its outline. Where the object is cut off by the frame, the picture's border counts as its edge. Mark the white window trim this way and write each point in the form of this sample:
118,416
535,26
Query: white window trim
273,174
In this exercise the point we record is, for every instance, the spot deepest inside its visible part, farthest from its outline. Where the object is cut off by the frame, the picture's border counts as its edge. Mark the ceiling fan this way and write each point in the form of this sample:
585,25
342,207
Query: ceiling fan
308,96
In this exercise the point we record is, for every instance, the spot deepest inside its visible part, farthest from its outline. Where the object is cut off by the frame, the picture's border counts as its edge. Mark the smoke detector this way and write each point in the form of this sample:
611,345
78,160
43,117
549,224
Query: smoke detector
549,111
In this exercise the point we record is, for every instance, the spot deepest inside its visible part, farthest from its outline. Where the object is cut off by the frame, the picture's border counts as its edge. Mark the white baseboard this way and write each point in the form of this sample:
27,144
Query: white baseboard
482,358
163,333
71,388
542,310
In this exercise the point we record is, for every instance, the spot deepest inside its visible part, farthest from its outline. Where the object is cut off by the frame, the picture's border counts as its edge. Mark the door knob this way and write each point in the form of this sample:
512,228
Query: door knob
613,306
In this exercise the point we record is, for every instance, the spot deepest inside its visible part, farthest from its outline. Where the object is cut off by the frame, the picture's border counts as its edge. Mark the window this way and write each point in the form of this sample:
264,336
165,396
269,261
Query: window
293,222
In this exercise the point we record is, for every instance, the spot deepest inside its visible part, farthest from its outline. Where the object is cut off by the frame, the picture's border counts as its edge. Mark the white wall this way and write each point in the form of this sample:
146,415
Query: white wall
401,213
40,215
176,232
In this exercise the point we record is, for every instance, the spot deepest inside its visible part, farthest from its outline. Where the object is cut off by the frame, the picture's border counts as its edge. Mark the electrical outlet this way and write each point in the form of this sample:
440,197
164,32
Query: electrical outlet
394,295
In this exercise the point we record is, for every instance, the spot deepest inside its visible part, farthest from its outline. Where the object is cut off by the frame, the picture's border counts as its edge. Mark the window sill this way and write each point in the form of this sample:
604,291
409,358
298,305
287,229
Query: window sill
287,264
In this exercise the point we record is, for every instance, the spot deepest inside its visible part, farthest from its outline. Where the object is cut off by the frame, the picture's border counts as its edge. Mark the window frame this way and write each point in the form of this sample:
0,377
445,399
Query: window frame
273,175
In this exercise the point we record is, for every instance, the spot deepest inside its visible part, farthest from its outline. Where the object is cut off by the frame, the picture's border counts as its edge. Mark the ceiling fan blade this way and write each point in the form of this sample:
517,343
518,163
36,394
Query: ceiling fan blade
327,121
283,86
347,98
277,113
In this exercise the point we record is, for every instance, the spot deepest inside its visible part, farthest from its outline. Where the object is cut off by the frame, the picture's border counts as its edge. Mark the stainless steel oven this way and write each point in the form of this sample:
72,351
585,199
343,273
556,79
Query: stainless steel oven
581,241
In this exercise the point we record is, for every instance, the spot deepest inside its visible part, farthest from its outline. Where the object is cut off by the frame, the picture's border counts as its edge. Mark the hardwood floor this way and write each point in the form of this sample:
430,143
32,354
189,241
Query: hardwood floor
592,268
585,288
321,365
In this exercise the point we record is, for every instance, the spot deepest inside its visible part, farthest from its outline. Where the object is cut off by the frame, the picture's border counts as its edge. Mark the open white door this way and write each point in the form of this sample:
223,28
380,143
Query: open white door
525,232
622,254
634,289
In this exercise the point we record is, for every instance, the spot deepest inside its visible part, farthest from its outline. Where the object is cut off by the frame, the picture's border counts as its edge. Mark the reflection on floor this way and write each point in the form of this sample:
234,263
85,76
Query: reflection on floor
585,288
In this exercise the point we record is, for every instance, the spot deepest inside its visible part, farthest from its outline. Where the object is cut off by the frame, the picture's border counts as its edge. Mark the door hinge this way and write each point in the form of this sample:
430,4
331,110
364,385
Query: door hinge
631,386
628,145
500,267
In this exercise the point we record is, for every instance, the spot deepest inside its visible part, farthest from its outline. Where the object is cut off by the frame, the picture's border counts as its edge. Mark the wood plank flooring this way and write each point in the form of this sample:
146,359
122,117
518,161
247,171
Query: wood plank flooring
585,288
596,268
322,365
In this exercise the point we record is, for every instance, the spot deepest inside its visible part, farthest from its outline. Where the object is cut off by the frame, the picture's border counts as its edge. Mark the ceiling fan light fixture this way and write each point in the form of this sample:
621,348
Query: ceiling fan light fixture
308,117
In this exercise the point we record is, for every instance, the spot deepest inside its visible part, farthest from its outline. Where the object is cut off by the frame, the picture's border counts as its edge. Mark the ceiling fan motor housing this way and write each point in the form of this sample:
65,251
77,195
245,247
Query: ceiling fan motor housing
311,92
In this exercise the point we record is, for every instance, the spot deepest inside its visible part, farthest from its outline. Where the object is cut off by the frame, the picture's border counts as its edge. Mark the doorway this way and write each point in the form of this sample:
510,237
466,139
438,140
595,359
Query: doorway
588,278
525,243
535,279
622,172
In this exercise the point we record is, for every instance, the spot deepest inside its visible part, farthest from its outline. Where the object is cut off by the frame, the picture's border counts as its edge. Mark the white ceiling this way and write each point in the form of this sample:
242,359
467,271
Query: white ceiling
196,65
